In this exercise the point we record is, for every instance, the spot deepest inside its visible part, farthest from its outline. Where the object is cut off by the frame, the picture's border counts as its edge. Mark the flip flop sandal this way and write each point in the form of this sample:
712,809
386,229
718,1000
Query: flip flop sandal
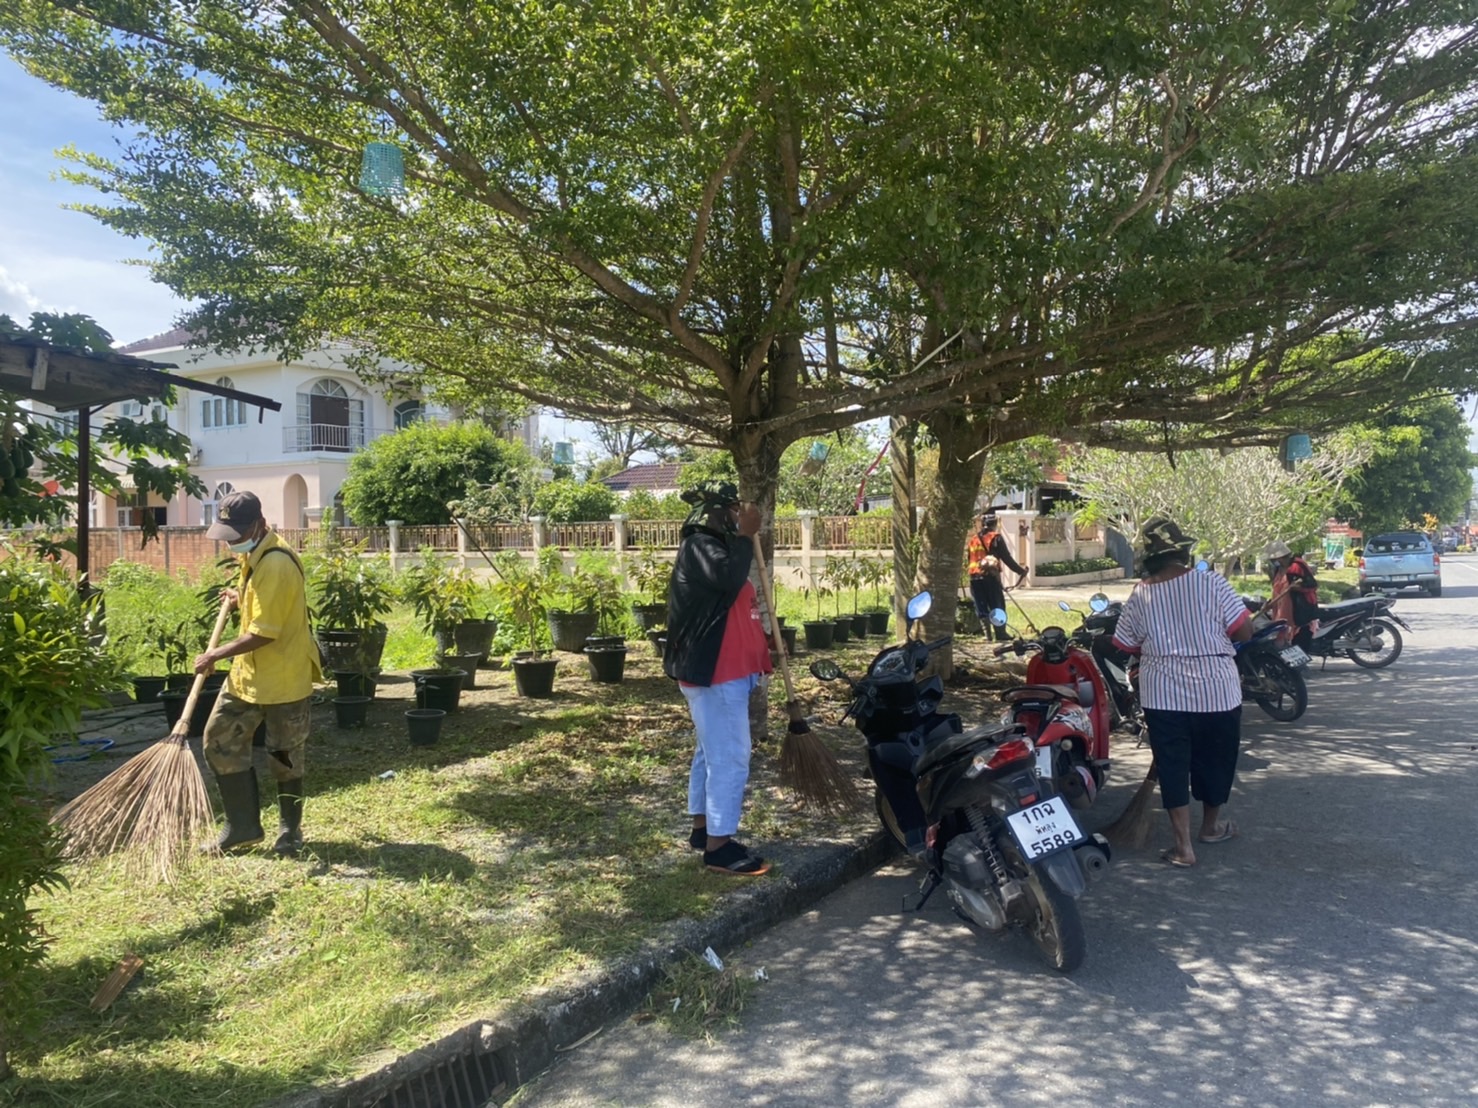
734,860
1228,832
1170,859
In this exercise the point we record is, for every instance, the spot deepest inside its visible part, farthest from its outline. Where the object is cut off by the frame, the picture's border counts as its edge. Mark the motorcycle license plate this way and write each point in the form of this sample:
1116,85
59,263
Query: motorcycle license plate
1294,656
1044,828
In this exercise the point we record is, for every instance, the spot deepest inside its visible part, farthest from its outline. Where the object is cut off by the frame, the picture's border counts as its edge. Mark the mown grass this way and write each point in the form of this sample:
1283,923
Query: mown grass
537,840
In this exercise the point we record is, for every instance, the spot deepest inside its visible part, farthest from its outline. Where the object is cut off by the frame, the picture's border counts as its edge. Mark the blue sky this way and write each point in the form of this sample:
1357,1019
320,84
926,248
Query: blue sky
51,258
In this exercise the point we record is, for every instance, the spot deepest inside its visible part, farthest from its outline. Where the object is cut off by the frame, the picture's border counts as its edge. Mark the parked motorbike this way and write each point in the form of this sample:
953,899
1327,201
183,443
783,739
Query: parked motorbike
1096,635
970,805
1065,710
1362,630
1271,674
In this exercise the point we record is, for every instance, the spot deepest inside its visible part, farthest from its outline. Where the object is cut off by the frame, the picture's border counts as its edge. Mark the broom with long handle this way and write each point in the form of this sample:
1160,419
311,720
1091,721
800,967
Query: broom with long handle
807,767
153,807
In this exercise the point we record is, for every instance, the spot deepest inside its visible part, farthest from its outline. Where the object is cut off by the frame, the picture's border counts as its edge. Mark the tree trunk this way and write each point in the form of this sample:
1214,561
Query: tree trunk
948,514
758,461
905,519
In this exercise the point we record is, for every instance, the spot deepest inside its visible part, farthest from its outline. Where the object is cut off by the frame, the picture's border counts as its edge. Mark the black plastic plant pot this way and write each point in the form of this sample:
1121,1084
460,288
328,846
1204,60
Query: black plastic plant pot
214,682
843,626
597,642
467,663
787,635
179,681
859,626
174,707
353,683
648,616
877,623
607,663
569,630
438,688
424,725
657,636
475,636
351,711
820,633
146,690
534,677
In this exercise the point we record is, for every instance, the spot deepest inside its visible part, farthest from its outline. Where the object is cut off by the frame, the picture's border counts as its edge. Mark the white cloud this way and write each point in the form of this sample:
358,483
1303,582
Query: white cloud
16,300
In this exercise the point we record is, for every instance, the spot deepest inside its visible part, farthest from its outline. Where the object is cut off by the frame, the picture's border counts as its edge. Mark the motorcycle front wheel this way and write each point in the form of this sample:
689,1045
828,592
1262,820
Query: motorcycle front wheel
1057,929
1390,648
886,816
1278,689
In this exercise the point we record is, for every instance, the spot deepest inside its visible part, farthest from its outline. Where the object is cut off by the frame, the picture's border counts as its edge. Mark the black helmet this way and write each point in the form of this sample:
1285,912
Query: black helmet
1055,644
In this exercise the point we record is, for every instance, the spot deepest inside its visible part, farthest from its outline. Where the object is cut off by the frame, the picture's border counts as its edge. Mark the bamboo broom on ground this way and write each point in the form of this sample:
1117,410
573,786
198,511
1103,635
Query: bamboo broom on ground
153,808
807,767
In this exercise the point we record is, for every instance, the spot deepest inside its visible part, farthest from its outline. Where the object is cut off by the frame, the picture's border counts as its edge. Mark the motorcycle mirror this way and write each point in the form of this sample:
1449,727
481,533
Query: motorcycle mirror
825,670
998,617
1064,605
918,606
1203,566
1099,602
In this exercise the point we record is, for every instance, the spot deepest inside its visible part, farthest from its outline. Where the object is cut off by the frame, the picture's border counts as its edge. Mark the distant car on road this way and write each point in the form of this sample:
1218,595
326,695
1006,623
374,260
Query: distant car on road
1400,560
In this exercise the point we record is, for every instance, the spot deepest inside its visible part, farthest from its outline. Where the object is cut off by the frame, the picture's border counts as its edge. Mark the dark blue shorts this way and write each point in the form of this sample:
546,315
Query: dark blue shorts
1195,754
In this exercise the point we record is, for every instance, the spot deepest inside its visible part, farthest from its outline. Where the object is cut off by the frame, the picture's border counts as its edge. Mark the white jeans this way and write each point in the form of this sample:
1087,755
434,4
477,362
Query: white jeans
721,754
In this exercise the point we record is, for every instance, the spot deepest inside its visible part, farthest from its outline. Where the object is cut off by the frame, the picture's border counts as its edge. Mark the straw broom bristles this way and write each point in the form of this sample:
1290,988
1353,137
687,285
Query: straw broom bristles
807,767
152,809
1131,831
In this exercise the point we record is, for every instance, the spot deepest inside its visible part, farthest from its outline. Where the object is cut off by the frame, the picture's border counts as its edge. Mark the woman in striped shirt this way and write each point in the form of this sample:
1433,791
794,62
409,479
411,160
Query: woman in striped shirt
1182,625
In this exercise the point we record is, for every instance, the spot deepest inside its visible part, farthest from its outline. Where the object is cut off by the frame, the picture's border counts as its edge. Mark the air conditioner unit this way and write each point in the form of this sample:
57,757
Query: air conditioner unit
195,452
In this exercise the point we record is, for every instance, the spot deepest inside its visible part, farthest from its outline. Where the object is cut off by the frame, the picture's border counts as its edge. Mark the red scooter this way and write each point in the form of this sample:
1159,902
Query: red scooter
1064,708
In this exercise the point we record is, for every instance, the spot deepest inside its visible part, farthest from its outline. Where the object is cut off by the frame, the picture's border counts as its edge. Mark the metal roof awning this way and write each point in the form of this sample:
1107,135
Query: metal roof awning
69,380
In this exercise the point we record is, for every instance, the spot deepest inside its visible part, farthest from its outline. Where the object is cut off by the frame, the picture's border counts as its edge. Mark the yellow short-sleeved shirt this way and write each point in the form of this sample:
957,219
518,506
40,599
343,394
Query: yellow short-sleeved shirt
274,605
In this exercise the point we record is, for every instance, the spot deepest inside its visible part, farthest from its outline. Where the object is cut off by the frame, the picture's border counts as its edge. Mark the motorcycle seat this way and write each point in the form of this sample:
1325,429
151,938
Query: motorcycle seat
1346,607
1039,692
951,746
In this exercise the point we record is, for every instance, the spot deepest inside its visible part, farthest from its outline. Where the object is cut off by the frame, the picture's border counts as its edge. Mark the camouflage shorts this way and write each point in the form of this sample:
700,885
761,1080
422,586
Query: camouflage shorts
233,723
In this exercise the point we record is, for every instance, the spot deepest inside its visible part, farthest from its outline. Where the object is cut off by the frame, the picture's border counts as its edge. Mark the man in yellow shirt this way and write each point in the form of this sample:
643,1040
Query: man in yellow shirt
274,665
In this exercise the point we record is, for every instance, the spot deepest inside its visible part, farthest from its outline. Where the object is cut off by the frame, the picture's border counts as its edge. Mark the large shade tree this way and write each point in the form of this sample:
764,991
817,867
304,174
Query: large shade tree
682,215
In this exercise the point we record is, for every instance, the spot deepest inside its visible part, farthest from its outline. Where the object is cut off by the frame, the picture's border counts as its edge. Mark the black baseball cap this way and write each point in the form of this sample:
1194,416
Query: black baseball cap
236,515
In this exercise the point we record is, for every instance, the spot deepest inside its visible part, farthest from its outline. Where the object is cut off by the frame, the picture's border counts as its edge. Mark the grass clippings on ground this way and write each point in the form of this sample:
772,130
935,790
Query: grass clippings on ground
697,1001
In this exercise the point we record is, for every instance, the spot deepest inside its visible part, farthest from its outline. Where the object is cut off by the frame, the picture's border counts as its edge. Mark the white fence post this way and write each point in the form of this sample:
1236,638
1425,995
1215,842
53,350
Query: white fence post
394,527
619,532
808,538
540,533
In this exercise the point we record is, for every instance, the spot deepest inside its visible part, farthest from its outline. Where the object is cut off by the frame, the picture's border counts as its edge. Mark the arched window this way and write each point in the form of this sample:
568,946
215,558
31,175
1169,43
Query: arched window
208,507
218,411
328,418
408,412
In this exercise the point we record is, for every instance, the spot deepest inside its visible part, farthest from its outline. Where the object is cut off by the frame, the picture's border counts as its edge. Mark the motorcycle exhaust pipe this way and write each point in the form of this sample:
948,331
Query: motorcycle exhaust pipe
1094,857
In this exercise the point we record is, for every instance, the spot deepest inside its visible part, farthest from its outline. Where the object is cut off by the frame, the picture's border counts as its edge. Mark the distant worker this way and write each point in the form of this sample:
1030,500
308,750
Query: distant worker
985,554
1294,579
274,665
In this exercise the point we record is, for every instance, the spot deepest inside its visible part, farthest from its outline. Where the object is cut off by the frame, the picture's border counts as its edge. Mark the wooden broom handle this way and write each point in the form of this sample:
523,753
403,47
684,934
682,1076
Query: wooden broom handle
759,557
182,725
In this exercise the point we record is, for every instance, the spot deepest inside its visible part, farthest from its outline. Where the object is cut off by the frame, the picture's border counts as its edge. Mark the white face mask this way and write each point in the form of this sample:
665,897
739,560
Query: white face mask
244,547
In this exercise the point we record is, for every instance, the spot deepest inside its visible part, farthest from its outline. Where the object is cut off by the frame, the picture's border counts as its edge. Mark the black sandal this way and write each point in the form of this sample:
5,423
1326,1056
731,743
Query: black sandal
698,840
733,859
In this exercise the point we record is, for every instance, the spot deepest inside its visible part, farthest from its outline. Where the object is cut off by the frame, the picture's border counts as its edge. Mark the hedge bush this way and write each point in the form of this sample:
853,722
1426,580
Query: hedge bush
1077,565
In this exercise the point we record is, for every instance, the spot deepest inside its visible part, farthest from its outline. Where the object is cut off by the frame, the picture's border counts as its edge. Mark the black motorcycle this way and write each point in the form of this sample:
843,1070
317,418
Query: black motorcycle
970,805
1096,635
1272,675
1362,630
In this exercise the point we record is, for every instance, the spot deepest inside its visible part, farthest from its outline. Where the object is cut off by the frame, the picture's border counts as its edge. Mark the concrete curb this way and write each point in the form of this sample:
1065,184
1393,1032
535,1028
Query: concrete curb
489,1058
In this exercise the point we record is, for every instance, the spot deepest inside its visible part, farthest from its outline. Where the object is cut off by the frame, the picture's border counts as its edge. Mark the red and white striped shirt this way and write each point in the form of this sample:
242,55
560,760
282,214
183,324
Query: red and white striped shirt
1181,630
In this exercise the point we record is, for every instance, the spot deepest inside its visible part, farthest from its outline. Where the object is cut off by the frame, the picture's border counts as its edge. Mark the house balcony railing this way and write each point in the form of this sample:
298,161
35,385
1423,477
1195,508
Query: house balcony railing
333,438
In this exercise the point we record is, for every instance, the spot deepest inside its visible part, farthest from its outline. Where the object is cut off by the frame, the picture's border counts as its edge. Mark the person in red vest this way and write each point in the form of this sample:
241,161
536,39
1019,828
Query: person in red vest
986,554
1292,576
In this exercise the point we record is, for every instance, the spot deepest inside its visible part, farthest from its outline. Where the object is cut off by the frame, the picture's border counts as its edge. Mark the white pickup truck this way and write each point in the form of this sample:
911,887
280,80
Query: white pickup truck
1400,560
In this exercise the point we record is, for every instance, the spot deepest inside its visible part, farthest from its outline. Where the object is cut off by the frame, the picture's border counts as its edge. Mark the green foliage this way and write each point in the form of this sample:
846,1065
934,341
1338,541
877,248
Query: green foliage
415,474
1076,565
30,862
1421,465
441,595
521,596
570,501
53,668
347,591
641,504
599,591
829,486
651,572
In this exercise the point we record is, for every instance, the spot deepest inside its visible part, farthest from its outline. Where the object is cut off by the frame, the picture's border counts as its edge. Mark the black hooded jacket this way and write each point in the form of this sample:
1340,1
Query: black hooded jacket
710,569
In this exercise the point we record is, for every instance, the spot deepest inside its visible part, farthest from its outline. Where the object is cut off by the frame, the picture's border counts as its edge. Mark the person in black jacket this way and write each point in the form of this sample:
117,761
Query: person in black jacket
716,650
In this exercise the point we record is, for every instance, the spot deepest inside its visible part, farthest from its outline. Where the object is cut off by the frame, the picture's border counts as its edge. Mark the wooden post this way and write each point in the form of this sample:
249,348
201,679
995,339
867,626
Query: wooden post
84,497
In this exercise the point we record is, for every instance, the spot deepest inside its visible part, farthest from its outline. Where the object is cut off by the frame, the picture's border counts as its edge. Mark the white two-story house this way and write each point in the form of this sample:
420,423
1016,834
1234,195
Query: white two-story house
294,460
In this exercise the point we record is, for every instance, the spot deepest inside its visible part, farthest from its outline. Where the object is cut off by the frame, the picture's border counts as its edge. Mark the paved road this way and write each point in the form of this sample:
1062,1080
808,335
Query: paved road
1328,956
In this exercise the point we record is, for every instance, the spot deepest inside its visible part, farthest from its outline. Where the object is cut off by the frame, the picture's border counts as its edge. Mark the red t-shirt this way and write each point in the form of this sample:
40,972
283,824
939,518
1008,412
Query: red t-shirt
744,649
